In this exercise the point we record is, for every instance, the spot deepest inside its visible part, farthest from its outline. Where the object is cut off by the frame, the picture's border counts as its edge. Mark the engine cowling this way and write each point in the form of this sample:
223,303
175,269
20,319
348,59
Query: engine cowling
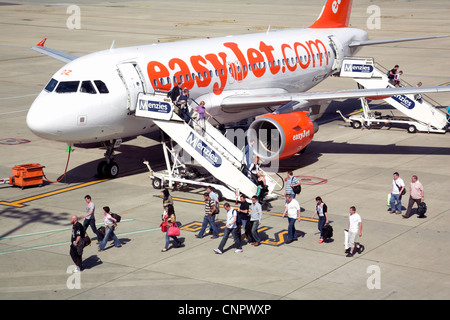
280,136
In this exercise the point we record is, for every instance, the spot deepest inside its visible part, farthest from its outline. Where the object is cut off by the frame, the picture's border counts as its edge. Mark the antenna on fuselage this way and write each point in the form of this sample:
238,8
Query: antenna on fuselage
268,29
112,45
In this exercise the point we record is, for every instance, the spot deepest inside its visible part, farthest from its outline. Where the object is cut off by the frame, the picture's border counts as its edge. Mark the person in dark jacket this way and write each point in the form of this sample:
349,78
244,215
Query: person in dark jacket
78,233
322,212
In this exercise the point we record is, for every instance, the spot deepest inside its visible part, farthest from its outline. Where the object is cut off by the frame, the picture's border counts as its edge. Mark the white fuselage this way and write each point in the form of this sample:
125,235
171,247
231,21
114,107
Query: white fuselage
212,69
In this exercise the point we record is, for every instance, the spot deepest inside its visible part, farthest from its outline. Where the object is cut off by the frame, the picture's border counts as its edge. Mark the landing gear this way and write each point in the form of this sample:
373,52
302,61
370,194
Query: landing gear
109,168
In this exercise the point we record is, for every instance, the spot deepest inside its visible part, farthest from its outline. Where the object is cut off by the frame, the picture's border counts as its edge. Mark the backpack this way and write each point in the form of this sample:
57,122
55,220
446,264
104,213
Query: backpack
327,231
296,189
116,216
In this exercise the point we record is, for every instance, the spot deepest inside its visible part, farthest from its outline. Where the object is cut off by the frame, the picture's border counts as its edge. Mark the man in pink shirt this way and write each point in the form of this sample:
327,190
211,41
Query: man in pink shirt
416,195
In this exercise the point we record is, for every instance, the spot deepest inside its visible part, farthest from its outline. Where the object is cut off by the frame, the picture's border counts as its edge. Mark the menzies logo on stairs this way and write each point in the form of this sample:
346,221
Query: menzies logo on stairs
358,68
204,150
154,106
404,101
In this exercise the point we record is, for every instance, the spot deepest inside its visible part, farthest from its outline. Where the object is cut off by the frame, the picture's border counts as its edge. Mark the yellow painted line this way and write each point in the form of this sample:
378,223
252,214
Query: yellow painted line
20,203
355,112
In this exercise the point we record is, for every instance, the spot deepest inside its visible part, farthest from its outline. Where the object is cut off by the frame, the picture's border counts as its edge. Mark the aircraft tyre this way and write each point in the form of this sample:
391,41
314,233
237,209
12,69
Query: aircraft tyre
112,169
105,170
101,168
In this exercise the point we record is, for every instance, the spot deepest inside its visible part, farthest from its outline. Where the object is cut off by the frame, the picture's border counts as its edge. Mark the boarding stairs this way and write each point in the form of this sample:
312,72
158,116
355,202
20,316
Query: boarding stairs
209,147
413,106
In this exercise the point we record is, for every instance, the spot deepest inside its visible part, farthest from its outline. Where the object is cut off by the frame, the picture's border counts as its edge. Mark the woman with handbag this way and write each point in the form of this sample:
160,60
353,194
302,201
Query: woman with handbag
110,225
172,230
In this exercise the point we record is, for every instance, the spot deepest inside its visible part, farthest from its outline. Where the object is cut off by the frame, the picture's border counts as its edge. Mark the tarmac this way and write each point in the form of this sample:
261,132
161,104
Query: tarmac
404,259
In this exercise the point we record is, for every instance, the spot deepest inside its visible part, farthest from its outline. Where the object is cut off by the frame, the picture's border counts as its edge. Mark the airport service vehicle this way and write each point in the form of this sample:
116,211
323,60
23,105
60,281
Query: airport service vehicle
419,114
95,99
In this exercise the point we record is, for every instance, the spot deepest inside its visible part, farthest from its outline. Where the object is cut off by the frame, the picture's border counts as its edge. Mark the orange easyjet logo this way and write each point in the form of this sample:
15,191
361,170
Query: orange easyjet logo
214,68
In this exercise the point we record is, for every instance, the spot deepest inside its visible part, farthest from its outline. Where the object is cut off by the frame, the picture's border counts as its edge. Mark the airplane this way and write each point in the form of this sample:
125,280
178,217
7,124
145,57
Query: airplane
92,99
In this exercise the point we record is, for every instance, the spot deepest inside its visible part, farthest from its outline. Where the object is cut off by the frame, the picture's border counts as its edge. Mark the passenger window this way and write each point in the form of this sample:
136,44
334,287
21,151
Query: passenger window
87,87
51,85
67,86
101,86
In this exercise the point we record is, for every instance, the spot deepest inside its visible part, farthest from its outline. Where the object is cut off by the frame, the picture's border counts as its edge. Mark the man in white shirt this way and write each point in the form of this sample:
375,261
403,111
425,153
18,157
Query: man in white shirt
354,228
89,217
230,228
398,186
292,208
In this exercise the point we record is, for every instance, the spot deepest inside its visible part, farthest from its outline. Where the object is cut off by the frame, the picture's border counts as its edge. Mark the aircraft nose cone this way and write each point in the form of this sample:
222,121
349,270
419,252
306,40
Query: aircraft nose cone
38,122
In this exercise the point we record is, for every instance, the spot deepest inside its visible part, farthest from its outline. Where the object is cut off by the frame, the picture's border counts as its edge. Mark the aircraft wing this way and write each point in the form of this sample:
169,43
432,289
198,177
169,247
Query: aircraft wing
373,42
250,101
59,55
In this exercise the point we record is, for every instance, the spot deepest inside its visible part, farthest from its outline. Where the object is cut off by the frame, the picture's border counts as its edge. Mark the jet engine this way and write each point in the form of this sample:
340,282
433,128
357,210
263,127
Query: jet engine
280,136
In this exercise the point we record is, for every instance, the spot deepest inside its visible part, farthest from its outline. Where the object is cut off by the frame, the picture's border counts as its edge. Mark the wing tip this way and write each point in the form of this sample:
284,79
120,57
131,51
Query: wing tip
41,43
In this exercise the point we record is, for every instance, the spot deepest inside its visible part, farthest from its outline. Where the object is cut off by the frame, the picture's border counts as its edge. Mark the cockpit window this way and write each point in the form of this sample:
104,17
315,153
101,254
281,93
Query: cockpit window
101,86
87,87
67,86
51,85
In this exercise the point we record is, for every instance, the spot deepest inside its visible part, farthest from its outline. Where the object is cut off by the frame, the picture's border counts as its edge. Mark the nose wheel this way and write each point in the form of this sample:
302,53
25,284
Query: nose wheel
109,168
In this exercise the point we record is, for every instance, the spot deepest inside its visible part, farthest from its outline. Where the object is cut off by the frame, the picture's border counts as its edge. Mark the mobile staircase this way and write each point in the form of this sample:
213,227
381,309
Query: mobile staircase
420,114
209,148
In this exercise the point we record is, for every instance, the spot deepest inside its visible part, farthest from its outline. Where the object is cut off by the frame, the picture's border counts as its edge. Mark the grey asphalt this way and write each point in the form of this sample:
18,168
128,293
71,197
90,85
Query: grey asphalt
403,258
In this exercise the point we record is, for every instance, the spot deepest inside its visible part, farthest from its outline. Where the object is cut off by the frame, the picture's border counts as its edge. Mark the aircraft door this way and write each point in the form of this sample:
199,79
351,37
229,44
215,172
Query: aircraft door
129,74
338,51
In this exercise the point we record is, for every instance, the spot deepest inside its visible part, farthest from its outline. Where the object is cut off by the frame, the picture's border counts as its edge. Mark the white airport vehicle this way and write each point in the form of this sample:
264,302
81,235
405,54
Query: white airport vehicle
93,100
418,113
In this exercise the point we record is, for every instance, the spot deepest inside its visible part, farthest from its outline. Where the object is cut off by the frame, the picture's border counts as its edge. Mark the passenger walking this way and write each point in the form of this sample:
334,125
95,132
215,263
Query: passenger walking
78,233
262,186
416,195
249,161
322,213
89,217
398,189
244,219
292,208
110,224
201,110
391,73
182,103
170,221
291,182
175,92
397,78
354,229
167,199
209,218
230,227
255,220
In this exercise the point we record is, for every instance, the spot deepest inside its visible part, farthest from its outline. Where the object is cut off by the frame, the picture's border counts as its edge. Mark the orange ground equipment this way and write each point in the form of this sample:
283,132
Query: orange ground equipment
27,175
